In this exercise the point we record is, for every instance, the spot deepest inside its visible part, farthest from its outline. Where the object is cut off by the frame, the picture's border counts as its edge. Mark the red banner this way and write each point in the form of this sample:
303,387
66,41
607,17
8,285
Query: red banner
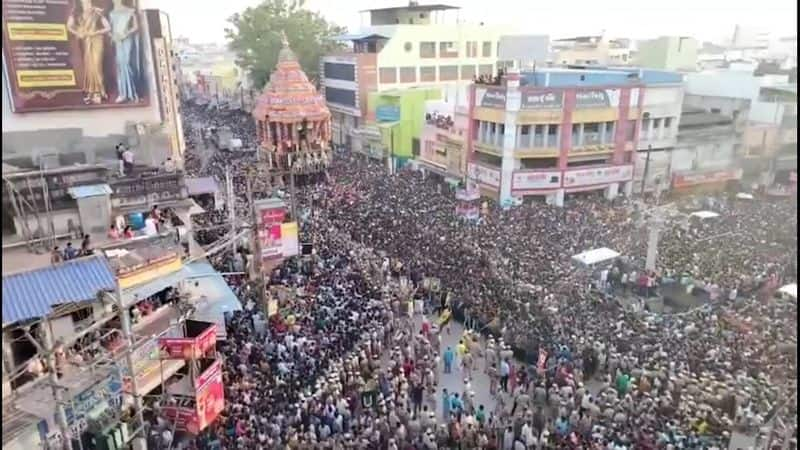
188,348
199,412
695,179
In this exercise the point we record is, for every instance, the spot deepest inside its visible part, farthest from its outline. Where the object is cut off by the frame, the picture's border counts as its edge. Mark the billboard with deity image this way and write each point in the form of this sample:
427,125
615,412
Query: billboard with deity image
74,54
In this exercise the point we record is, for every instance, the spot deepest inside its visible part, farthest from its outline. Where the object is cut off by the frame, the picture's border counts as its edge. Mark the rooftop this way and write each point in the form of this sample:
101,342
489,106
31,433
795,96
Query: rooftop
597,76
412,6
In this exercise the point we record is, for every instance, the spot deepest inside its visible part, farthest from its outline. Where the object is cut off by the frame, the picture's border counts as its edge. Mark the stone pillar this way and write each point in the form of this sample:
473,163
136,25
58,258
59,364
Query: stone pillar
509,162
611,191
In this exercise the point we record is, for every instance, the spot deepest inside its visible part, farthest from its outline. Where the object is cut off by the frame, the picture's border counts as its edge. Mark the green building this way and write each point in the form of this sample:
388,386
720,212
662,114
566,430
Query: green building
677,53
399,116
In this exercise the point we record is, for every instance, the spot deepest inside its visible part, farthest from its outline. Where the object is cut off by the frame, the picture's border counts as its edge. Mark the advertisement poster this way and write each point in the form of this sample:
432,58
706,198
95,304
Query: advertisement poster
210,396
289,244
484,175
188,348
74,54
269,231
597,98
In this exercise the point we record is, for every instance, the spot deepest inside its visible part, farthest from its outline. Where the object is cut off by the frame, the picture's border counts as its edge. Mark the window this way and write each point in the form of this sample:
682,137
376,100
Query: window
427,49
415,147
427,73
467,72
408,74
656,124
538,135
448,49
526,130
472,49
591,133
610,129
336,71
552,135
408,46
341,96
82,315
487,49
388,75
448,73
576,135
485,69
645,128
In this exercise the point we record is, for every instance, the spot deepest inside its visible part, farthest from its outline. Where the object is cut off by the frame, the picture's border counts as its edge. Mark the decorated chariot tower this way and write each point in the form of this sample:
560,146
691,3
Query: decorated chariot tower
293,122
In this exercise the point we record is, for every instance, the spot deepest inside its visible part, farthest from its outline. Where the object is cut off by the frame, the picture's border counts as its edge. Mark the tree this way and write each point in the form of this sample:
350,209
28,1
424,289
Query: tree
255,37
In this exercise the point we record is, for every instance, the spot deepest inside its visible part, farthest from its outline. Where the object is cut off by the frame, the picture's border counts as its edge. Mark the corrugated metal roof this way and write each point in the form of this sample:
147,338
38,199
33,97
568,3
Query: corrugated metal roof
32,294
91,190
358,36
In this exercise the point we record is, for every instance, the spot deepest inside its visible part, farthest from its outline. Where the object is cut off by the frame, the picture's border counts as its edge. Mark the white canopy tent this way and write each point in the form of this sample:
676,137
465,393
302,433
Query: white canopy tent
790,290
704,214
595,256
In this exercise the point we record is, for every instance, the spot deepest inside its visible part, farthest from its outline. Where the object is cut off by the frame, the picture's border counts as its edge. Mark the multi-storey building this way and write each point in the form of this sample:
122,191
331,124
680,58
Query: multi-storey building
558,131
411,46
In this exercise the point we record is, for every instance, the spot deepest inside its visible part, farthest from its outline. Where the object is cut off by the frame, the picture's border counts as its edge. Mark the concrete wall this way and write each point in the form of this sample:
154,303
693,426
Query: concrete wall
88,135
412,115
668,52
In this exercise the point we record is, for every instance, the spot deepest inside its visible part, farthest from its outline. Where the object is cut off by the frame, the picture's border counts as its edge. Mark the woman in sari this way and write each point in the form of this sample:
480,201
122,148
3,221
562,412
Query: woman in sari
124,29
88,24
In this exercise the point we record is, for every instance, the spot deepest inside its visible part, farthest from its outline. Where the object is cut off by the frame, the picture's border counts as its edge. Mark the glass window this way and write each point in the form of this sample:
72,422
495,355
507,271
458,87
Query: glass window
408,74
448,73
487,49
552,135
338,71
630,130
591,133
448,49
427,49
576,130
341,96
388,75
610,129
485,69
427,73
467,72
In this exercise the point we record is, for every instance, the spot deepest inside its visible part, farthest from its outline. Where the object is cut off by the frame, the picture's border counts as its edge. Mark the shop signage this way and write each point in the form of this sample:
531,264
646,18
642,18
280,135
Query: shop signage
484,175
492,98
103,394
470,212
387,113
194,414
467,195
542,100
47,65
186,347
533,180
289,243
597,175
148,190
694,179
597,98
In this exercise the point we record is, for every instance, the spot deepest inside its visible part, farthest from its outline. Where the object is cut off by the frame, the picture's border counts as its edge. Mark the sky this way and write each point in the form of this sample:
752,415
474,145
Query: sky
703,19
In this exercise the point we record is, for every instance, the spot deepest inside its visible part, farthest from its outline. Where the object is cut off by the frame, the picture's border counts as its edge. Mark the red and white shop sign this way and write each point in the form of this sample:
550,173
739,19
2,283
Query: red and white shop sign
533,180
484,175
694,179
597,175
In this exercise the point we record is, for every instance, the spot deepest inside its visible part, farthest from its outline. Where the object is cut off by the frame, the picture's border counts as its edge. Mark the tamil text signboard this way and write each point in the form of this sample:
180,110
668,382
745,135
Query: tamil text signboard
597,175
484,175
694,179
535,180
64,55
541,100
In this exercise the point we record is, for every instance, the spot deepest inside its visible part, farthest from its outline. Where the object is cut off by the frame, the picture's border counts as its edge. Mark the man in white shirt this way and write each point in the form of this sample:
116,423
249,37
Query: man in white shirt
150,227
127,160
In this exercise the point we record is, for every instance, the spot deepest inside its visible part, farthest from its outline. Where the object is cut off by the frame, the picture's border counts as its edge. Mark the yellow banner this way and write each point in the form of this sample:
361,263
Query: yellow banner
149,274
21,31
45,78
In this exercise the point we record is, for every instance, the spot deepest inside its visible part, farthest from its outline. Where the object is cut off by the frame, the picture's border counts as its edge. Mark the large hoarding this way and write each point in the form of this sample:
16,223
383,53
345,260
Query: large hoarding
74,54
194,413
597,175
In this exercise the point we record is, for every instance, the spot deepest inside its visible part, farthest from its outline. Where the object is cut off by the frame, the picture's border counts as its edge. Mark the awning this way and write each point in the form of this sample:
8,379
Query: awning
214,296
92,190
138,293
201,185
32,294
358,37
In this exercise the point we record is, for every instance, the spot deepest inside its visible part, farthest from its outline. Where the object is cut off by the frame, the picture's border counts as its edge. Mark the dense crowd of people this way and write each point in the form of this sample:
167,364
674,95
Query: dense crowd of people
343,366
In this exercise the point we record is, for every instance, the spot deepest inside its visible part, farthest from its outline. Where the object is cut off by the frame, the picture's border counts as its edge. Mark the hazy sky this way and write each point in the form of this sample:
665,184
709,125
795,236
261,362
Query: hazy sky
703,19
